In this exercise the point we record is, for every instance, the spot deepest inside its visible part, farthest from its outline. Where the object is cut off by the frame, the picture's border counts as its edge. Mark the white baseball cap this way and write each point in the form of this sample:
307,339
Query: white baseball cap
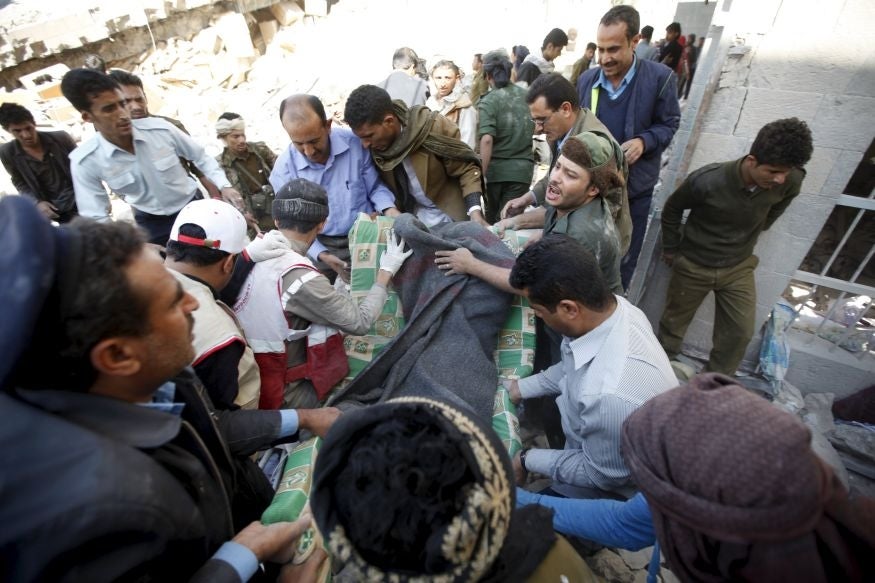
224,226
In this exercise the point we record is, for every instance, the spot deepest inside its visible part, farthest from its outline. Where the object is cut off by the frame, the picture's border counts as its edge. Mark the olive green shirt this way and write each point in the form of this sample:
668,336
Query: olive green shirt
592,226
726,218
505,116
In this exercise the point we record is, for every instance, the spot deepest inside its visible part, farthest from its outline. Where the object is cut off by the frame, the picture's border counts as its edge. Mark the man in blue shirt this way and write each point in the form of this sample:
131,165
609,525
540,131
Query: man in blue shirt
334,159
637,100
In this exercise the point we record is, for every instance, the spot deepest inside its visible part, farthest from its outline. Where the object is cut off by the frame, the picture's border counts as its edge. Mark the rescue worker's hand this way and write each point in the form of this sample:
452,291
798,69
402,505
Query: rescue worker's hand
318,421
456,262
273,244
517,206
394,256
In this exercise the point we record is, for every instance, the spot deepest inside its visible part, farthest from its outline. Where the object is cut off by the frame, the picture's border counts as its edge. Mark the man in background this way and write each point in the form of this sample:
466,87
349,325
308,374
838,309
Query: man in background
39,163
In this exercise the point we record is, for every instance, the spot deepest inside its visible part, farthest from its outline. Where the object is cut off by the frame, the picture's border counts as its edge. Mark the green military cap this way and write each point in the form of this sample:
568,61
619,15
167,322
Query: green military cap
599,147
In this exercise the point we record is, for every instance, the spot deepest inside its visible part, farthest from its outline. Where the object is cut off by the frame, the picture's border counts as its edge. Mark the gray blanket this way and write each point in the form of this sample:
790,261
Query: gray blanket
445,349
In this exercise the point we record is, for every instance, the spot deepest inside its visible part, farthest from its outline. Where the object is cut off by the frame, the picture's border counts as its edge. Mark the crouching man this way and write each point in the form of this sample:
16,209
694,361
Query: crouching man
291,313
611,364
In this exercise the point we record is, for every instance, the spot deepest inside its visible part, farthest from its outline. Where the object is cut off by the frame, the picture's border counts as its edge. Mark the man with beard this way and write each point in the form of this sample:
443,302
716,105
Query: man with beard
637,100
452,102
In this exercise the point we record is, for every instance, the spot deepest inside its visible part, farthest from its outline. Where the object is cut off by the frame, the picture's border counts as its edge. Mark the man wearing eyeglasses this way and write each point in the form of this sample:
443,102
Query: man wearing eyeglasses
555,109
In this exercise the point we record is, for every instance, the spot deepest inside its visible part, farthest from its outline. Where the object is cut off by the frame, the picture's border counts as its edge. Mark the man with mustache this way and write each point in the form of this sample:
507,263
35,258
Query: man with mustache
138,160
637,100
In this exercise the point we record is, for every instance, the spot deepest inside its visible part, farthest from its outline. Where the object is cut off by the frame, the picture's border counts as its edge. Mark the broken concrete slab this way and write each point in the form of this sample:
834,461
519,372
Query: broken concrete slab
287,13
234,31
636,559
608,564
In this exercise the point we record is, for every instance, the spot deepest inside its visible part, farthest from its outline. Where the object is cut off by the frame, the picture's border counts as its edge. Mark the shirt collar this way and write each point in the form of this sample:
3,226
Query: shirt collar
202,282
630,74
733,176
131,424
585,348
107,147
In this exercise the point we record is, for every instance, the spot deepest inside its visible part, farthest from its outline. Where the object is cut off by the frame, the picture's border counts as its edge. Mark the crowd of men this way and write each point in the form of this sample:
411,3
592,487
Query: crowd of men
146,363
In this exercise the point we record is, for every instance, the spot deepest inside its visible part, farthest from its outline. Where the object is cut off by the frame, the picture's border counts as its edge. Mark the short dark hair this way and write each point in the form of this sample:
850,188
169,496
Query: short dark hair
125,78
555,89
367,104
478,56
13,113
692,37
104,304
79,86
555,37
783,142
559,268
314,102
304,190
647,32
229,115
625,14
404,58
673,27
592,46
194,254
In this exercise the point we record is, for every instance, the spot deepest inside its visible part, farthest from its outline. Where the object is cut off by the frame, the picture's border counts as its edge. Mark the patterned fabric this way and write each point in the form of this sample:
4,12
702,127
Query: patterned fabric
293,494
514,355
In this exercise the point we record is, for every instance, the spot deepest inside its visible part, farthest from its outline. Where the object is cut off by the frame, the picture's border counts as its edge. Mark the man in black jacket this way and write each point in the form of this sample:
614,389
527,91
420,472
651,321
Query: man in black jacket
38,163
115,465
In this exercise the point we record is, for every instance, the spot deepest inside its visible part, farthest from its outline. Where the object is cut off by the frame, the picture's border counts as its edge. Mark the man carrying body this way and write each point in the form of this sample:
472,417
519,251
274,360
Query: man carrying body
611,364
433,174
574,206
289,330
138,160
555,109
138,106
115,464
730,205
335,159
38,163
248,166
534,66
637,100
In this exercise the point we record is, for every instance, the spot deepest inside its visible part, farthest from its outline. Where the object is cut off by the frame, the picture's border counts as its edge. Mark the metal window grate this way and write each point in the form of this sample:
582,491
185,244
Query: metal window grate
832,292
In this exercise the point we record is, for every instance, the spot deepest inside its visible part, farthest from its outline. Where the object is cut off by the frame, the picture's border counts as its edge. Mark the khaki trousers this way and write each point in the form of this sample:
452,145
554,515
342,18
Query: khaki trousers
735,309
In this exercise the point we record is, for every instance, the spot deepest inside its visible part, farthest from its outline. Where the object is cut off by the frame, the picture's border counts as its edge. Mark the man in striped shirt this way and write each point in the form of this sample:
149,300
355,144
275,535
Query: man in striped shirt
611,364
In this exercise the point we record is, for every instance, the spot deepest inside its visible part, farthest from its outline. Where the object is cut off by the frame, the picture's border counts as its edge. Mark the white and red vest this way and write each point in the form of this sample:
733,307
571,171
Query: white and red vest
260,308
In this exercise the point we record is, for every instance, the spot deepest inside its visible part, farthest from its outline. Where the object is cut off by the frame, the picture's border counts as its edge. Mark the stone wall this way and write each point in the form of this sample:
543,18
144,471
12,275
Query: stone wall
772,59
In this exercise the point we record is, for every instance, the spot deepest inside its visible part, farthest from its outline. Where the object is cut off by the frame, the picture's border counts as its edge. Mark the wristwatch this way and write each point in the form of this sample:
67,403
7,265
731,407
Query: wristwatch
523,455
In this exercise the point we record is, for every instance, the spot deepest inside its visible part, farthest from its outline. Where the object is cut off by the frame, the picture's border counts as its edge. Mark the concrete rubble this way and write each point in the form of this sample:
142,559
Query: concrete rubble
239,62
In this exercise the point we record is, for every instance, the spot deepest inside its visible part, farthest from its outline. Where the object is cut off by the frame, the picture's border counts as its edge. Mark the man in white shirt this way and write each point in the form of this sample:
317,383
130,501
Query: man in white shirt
611,364
137,159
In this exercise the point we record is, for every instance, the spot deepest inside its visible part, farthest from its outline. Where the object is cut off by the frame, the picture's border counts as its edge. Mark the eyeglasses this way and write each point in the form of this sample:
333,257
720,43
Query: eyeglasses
539,121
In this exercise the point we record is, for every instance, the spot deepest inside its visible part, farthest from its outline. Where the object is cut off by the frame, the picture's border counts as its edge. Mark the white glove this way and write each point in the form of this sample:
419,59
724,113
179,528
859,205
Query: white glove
272,244
394,256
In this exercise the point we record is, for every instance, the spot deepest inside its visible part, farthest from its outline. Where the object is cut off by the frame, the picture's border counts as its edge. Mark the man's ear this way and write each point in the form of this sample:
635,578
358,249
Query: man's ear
86,116
568,308
116,357
635,39
328,123
227,264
